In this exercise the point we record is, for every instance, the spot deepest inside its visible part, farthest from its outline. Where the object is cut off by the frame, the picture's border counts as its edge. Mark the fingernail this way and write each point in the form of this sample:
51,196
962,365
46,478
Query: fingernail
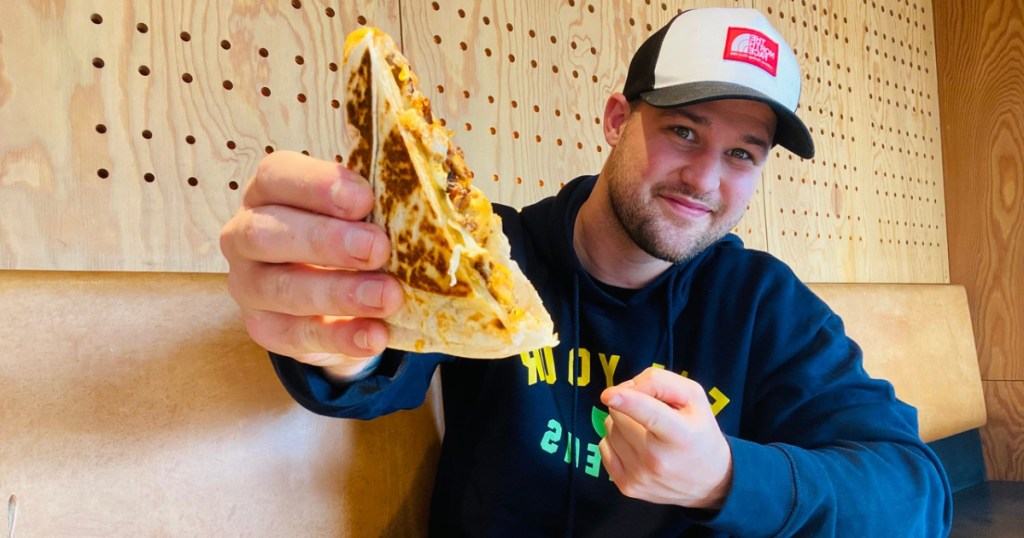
371,294
359,244
349,190
338,193
614,400
361,339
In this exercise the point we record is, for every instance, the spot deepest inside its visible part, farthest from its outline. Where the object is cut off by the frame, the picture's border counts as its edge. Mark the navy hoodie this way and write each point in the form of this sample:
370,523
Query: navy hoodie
819,448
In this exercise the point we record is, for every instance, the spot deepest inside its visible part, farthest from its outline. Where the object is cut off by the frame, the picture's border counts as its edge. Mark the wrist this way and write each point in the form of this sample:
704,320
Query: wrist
719,491
716,499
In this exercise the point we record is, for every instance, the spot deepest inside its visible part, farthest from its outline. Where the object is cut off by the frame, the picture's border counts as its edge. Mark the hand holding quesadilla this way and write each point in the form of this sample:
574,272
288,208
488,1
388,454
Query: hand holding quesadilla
305,268
463,293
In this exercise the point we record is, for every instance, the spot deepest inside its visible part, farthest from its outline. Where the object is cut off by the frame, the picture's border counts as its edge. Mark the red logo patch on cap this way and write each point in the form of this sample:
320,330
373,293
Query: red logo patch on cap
753,47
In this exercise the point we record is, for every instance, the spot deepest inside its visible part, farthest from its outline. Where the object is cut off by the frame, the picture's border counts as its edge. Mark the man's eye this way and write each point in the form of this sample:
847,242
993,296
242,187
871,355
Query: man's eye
741,154
683,132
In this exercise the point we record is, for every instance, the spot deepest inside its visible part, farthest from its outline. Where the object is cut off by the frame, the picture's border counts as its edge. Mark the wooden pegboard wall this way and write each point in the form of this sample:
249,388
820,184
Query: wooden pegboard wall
869,206
130,127
127,146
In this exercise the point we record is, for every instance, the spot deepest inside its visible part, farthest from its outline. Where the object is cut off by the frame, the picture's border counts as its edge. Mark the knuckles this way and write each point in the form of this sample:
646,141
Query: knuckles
235,285
656,463
249,235
630,486
260,330
325,237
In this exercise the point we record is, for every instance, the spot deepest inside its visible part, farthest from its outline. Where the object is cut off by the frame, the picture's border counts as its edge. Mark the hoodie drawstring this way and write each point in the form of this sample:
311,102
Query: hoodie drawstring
570,517
670,308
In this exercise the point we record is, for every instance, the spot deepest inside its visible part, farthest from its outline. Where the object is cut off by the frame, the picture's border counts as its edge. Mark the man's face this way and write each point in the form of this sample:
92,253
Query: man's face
679,179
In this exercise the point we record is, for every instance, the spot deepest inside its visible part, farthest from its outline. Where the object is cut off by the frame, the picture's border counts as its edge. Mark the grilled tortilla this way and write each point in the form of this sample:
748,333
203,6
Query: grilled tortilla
464,295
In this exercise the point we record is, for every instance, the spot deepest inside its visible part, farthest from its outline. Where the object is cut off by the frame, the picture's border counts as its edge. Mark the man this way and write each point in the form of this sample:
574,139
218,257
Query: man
699,390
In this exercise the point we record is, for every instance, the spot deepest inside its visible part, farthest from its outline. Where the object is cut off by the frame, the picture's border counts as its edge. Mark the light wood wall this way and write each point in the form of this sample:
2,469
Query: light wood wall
981,84
127,129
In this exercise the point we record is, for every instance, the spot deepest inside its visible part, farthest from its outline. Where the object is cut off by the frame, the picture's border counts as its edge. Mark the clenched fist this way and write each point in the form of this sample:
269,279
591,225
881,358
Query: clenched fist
663,444
305,268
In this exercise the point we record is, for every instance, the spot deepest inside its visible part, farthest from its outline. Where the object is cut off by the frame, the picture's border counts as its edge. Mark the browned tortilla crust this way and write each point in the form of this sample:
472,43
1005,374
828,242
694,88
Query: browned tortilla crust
464,294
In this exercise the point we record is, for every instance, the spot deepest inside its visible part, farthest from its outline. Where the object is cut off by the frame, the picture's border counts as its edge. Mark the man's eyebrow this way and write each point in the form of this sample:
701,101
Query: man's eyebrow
695,118
751,139
702,120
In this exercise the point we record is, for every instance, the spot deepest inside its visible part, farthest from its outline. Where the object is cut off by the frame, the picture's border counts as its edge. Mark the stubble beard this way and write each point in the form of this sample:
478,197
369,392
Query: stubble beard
648,227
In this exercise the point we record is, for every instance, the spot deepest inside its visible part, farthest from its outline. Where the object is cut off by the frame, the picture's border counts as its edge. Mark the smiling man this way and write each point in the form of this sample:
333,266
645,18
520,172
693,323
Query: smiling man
699,388
677,180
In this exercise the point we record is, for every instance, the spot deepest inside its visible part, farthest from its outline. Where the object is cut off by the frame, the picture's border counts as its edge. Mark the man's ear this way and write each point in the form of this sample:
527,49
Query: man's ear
616,112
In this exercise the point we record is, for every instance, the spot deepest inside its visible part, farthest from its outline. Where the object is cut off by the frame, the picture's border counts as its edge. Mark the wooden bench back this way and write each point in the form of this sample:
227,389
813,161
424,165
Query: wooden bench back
135,405
920,338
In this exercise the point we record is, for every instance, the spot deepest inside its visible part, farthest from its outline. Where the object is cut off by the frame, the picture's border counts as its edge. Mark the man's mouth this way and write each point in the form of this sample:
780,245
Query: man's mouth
687,206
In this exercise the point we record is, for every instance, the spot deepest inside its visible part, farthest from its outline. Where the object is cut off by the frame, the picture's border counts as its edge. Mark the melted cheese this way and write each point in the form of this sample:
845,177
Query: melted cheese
355,37
405,73
434,142
501,285
453,264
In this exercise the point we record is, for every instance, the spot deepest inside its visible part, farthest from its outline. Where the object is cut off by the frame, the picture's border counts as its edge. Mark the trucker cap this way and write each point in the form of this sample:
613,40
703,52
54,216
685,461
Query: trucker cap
722,53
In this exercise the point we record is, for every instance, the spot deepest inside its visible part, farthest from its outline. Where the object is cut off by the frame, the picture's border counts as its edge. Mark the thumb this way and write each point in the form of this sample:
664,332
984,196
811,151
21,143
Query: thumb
660,401
669,387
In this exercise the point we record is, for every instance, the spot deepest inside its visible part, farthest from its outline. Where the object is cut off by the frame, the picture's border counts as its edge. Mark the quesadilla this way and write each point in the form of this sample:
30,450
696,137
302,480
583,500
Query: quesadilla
464,295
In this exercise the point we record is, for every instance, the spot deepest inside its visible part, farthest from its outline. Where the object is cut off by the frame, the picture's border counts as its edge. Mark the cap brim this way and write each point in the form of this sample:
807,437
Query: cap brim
790,131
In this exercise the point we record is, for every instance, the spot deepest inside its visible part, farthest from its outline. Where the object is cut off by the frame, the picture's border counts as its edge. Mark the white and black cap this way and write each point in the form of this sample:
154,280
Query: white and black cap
722,53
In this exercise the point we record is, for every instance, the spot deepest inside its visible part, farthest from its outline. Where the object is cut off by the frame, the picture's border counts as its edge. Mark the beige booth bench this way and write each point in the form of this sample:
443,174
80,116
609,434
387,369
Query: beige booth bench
135,405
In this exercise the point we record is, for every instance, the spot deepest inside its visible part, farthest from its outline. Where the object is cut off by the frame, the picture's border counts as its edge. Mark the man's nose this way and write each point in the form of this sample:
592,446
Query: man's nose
702,171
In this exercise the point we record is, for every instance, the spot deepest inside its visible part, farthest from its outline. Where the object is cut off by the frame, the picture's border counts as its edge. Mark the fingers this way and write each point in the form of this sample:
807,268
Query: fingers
297,209
666,386
280,234
304,337
611,460
623,442
305,267
302,290
663,443
654,400
295,180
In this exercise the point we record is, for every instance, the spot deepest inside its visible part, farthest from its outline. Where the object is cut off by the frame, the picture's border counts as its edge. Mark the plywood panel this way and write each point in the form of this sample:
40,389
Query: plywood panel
522,85
136,405
982,83
1003,437
981,75
869,206
127,128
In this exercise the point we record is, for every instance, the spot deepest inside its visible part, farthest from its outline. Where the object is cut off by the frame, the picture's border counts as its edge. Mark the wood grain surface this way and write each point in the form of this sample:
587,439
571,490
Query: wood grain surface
1003,436
981,83
983,107
127,129
136,405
